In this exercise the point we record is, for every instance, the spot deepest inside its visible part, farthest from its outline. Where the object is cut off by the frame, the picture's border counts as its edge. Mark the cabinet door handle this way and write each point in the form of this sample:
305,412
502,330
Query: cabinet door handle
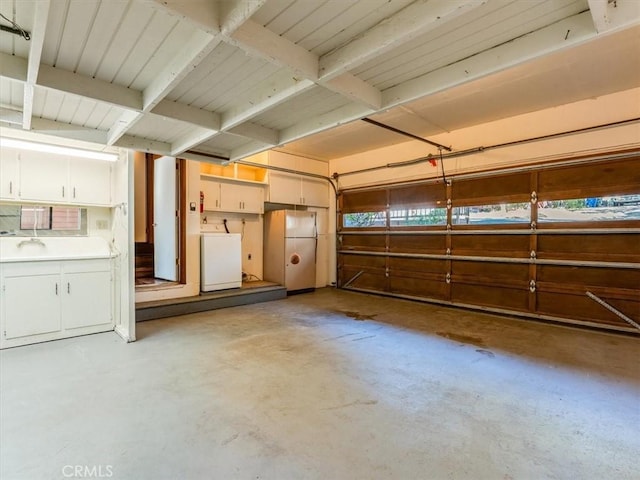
74,192
68,287
56,288
63,191
216,203
11,187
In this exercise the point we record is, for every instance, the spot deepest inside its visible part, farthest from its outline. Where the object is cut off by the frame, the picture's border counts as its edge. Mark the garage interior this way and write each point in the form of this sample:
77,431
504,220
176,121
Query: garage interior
473,171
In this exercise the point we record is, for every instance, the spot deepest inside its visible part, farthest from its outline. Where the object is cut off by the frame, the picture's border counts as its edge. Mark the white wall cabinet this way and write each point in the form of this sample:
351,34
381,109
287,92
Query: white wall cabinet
230,196
295,189
210,188
8,174
89,182
238,197
45,177
44,301
42,178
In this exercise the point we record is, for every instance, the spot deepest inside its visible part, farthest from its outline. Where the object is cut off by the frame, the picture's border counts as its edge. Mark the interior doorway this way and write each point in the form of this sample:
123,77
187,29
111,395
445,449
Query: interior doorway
160,214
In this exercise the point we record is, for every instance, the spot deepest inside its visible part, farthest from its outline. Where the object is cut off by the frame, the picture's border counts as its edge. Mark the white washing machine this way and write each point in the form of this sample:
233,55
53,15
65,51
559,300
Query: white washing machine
220,261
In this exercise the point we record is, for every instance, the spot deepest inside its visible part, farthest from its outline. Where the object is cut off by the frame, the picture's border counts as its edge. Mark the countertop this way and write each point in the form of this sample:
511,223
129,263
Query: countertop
38,249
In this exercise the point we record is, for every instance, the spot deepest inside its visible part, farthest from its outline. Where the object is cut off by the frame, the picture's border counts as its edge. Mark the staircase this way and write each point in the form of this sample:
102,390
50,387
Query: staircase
144,260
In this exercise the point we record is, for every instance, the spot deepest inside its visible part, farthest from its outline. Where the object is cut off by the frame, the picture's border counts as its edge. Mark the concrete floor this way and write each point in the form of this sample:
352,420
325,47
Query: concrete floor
329,385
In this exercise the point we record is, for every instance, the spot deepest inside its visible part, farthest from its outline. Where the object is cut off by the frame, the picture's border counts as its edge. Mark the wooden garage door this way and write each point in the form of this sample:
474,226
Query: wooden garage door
556,242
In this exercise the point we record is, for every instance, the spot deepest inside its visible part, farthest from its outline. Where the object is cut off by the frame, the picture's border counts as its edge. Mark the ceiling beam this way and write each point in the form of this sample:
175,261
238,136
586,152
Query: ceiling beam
271,92
355,90
33,64
340,116
76,84
127,120
219,158
608,15
234,14
13,68
193,138
202,14
259,41
66,130
414,20
207,16
599,15
10,116
257,132
247,150
186,113
561,35
143,145
192,53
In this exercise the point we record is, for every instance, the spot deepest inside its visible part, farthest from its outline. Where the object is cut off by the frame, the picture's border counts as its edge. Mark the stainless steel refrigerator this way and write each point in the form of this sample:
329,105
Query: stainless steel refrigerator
290,243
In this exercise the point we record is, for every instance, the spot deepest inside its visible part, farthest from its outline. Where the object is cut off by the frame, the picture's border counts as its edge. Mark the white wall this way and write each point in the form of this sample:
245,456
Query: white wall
538,152
599,111
121,239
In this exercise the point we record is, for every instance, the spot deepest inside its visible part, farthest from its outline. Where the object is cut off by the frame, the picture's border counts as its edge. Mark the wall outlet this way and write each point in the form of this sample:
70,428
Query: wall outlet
102,224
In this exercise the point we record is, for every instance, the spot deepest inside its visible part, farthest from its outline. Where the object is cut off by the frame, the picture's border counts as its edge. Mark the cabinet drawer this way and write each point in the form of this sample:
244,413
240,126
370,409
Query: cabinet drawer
23,269
91,265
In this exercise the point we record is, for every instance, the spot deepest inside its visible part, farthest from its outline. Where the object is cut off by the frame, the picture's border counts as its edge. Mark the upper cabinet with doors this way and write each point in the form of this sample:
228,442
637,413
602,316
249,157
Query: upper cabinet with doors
54,178
8,174
232,188
295,188
226,195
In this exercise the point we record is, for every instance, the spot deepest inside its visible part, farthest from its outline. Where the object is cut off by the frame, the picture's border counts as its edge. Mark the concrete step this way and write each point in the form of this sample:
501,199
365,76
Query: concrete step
208,301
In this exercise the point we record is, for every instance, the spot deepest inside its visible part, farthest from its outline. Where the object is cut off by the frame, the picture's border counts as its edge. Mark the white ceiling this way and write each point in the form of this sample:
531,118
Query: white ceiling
231,78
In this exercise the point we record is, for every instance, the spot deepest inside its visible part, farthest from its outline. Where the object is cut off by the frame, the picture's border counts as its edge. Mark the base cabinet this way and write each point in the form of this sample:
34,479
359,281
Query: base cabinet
34,299
81,305
44,301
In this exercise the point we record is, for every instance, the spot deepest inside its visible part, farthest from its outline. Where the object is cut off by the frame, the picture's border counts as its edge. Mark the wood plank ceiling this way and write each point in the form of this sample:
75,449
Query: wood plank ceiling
231,78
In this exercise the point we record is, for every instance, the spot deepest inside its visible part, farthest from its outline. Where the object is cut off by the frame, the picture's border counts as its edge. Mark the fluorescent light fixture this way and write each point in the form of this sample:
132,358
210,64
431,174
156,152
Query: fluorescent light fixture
72,152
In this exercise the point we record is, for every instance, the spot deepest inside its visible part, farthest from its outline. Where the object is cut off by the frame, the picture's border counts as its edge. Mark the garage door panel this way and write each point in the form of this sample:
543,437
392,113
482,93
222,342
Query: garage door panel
478,191
486,271
514,246
420,287
374,243
365,201
369,279
363,261
581,307
435,244
490,296
590,276
617,177
618,247
417,265
422,195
